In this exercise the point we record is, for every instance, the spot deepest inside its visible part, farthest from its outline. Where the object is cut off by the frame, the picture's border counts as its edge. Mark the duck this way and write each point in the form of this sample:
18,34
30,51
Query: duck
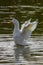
20,36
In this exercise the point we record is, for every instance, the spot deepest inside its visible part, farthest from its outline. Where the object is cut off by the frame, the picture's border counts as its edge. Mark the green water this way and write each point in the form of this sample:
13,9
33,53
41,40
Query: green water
21,10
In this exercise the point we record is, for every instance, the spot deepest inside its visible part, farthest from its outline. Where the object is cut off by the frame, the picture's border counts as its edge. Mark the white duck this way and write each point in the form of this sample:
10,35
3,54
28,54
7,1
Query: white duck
21,35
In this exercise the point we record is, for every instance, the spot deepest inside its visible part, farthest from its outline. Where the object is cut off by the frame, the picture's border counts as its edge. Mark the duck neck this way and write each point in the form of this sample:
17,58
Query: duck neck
16,26
16,29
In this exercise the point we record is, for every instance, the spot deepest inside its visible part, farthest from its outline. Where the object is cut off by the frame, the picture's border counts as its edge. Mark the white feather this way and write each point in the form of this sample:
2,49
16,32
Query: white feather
26,29
25,24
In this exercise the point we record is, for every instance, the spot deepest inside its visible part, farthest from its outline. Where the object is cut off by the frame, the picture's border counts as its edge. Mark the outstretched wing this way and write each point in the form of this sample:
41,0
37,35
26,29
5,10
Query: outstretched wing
28,29
25,24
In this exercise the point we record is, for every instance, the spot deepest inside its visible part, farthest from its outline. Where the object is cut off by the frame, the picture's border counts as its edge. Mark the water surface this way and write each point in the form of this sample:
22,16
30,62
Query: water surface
17,55
10,54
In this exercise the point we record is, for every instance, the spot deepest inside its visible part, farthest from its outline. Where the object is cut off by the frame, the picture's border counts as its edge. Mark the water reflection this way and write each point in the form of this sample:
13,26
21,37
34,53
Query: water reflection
22,51
12,54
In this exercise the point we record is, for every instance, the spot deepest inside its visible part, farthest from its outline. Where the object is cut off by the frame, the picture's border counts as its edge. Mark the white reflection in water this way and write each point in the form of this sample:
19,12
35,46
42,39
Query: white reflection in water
22,51
9,52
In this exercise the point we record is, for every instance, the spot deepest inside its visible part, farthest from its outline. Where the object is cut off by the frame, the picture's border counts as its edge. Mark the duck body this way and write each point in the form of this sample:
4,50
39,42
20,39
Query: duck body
18,39
20,36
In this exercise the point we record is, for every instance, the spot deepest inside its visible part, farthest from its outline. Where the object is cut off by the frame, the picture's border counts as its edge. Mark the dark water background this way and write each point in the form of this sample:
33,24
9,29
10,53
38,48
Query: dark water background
21,10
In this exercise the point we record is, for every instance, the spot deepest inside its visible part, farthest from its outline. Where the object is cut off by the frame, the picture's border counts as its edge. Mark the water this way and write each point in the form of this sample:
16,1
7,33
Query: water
19,55
10,54
21,13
